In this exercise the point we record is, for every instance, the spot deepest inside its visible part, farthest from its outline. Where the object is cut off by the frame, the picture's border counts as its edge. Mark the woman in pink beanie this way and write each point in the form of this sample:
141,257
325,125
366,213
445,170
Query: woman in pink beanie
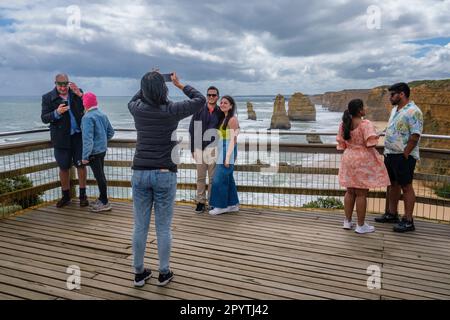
96,130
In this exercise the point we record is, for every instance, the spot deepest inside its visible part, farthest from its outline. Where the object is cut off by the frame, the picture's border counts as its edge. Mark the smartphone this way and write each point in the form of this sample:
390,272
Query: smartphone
167,77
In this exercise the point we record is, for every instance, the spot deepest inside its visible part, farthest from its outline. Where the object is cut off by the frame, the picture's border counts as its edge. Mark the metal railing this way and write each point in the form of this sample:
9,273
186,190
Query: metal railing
300,174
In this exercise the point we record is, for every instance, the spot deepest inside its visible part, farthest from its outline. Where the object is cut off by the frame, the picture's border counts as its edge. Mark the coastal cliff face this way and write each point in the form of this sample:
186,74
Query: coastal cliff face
316,98
434,101
433,98
378,104
301,108
338,101
250,111
280,120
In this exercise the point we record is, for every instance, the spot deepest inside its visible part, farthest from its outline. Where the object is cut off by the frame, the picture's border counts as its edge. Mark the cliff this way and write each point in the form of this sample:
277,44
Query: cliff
301,108
338,101
280,120
378,104
433,98
316,98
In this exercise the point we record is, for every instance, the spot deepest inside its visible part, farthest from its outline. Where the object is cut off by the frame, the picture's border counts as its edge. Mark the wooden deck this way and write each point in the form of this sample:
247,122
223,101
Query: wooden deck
254,254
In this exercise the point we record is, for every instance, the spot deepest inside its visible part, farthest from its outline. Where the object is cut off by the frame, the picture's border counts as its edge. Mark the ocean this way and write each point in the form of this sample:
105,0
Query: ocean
24,113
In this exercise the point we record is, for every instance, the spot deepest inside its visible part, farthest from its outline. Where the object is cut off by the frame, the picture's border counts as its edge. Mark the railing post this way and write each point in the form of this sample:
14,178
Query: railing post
73,178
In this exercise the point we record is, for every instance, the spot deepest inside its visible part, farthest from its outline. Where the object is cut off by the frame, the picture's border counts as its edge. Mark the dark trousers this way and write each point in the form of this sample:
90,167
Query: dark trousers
97,164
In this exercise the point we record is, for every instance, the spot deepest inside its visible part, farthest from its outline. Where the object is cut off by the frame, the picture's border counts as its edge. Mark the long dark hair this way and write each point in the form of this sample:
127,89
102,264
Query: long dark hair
230,113
354,107
154,89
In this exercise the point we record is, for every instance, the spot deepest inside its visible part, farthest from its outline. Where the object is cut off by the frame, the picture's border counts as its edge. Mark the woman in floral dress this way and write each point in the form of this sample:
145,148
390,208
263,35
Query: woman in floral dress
362,167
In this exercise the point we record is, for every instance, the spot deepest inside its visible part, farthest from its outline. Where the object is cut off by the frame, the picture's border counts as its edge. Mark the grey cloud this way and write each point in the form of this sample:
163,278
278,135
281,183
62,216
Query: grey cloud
290,33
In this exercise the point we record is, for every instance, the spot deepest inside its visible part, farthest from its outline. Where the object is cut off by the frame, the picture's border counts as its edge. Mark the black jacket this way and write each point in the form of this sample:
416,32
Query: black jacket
155,126
60,129
209,121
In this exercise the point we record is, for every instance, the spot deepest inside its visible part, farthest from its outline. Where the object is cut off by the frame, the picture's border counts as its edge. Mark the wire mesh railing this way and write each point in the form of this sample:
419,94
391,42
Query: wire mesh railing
275,175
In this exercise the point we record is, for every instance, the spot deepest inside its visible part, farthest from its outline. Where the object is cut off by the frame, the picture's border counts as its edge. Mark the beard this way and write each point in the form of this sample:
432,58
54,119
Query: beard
395,102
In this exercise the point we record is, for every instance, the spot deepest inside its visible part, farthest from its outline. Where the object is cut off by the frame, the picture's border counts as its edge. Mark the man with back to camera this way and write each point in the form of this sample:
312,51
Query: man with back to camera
202,147
401,150
63,109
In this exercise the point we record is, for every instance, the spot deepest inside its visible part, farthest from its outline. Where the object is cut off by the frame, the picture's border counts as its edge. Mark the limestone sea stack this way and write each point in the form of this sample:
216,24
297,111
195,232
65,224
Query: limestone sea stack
301,108
251,113
280,120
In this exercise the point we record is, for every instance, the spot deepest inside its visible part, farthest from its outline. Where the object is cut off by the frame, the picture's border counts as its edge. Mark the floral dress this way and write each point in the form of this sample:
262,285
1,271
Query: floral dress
362,167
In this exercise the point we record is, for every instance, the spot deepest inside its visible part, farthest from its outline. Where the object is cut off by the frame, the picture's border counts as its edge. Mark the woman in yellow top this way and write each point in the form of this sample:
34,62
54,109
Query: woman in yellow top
224,196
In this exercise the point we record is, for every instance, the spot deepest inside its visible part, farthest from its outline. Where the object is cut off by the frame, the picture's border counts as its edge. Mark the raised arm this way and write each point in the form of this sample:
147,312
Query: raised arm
186,108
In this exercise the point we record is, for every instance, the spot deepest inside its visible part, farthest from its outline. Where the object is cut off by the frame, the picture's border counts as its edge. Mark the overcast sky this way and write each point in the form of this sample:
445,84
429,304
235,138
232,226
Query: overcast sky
242,47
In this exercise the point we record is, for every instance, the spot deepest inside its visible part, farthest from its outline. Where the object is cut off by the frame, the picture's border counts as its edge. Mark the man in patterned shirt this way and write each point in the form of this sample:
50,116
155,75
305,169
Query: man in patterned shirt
401,150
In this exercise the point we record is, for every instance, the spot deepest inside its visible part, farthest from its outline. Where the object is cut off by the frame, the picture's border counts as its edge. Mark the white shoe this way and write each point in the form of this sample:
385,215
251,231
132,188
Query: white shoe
233,208
100,207
217,211
348,225
364,228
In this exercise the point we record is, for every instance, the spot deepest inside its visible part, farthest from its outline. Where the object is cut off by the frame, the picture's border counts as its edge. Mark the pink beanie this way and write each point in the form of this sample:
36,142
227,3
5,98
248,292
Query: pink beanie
89,100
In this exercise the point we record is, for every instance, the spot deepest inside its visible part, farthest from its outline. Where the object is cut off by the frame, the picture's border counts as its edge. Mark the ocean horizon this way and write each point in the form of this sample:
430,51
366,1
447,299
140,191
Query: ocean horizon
21,113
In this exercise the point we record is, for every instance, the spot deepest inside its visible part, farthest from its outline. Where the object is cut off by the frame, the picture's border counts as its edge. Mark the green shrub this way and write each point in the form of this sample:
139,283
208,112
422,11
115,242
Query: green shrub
325,203
4,211
444,191
19,183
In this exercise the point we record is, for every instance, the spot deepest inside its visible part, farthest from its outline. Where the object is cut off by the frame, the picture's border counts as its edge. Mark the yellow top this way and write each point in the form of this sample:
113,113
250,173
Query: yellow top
224,134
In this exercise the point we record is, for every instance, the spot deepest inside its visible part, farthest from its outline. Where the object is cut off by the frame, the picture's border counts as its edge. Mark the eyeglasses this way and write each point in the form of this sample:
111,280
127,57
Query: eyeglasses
62,84
212,95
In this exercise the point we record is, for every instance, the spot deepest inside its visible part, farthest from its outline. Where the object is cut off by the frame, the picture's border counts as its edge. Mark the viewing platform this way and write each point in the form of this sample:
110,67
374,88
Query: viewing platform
253,254
281,245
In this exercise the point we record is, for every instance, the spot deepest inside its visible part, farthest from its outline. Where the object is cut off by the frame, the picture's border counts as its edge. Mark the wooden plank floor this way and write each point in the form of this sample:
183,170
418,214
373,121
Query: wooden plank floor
254,254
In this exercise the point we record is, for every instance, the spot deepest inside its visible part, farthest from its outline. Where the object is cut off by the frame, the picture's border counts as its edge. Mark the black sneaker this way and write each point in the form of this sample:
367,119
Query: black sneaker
405,226
139,279
164,279
84,202
63,202
200,207
388,218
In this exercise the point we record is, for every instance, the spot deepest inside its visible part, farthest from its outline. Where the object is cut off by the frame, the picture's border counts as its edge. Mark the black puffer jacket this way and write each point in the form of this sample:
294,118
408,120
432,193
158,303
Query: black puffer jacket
155,126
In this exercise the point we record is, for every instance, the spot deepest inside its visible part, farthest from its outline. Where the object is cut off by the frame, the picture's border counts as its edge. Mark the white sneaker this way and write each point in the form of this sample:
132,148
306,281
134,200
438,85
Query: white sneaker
100,207
364,228
217,211
348,225
233,208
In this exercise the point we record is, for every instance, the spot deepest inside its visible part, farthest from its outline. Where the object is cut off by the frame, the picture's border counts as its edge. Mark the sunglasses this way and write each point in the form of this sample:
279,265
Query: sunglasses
62,84
212,95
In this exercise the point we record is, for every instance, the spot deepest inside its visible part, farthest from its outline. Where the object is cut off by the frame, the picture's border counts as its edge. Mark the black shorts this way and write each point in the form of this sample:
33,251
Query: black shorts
400,170
68,157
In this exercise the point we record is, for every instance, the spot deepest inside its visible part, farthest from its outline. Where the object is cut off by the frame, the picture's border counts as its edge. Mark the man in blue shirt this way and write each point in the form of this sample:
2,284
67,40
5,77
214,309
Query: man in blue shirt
63,109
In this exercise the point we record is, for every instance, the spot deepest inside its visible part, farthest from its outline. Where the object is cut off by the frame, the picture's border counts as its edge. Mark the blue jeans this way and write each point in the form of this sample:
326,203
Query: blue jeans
223,190
158,189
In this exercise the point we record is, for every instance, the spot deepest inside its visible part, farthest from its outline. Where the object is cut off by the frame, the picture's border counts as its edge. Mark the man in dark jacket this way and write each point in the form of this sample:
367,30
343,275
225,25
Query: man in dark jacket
202,147
63,109
154,180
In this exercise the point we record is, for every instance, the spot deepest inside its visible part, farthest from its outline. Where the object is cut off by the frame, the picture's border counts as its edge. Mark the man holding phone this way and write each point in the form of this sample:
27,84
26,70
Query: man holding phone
63,109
